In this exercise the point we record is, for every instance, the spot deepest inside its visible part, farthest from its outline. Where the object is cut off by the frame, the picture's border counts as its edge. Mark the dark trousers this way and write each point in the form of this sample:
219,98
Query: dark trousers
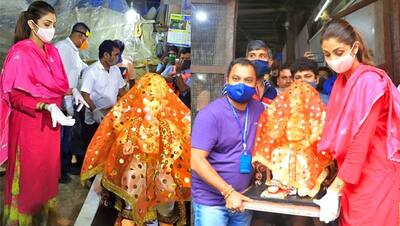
87,134
73,142
66,153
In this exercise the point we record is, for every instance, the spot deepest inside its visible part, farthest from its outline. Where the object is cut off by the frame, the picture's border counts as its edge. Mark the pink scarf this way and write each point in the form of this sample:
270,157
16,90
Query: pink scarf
29,69
350,105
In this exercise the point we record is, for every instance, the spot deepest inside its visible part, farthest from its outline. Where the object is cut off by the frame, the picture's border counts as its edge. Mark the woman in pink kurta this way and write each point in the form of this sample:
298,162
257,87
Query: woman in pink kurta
32,85
363,133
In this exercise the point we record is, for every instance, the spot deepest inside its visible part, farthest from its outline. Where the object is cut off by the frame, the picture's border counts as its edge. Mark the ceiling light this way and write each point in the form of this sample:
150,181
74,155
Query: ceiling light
322,10
201,16
131,15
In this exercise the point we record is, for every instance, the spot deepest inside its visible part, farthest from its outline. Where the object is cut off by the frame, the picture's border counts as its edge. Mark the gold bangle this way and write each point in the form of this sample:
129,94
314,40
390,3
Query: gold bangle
39,105
226,190
229,193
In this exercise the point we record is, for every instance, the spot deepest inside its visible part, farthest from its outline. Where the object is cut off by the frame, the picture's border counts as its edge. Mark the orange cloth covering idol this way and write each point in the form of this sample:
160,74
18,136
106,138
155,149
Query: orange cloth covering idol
142,147
287,137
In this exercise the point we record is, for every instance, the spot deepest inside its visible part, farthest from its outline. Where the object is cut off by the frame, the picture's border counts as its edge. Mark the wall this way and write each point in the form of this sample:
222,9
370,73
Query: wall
369,22
391,11
301,44
212,49
378,22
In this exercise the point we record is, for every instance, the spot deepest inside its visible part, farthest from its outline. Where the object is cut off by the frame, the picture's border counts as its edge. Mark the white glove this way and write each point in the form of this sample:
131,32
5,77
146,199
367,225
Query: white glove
329,206
98,115
69,106
58,117
79,99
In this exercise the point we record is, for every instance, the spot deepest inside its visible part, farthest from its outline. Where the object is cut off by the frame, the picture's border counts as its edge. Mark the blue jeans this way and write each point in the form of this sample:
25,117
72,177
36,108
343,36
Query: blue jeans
219,216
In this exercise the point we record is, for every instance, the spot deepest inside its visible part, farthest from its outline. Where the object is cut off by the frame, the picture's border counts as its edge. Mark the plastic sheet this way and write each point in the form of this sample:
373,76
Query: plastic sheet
106,18
9,12
109,24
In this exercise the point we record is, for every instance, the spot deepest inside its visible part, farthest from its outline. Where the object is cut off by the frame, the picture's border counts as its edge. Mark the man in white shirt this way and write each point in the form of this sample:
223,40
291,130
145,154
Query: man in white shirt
102,84
73,65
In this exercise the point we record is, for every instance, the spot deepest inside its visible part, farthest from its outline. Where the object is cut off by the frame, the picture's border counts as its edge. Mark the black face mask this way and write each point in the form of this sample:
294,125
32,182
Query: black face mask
186,64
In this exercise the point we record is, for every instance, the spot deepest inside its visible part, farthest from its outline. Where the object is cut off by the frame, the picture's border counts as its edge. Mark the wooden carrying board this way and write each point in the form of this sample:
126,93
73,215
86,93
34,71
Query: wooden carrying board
292,205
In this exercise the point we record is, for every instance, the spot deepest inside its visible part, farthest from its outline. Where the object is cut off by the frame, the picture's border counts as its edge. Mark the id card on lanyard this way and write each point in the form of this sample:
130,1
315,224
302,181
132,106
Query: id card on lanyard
245,157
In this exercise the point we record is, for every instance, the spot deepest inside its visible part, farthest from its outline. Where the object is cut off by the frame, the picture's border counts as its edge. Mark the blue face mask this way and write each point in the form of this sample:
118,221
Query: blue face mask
240,92
313,84
262,68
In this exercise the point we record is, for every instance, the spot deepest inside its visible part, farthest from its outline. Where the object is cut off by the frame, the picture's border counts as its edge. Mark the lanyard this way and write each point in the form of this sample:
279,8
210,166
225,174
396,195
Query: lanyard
258,93
243,131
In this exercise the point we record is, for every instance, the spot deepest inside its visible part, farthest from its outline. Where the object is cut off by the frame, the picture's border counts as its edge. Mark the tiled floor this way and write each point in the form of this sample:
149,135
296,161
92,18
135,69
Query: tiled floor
70,199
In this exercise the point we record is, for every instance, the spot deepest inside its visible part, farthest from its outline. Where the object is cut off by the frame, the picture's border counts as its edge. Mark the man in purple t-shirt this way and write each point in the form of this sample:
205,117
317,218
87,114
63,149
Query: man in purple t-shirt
222,141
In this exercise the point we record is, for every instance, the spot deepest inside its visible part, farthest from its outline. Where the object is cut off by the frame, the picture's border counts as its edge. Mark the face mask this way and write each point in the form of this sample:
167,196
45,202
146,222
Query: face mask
171,58
186,64
262,68
343,63
45,34
240,92
313,84
85,45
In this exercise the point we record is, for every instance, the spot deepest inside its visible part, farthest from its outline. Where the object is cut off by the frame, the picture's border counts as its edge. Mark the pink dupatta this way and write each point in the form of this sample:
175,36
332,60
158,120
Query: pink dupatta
350,105
29,69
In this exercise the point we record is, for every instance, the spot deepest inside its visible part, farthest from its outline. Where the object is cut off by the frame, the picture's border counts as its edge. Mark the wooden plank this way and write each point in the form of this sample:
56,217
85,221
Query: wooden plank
282,208
255,11
91,204
291,205
391,13
387,17
207,69
231,22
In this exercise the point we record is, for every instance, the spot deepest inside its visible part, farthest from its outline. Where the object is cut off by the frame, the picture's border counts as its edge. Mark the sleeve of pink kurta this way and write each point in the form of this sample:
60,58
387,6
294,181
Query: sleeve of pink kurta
23,102
350,170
